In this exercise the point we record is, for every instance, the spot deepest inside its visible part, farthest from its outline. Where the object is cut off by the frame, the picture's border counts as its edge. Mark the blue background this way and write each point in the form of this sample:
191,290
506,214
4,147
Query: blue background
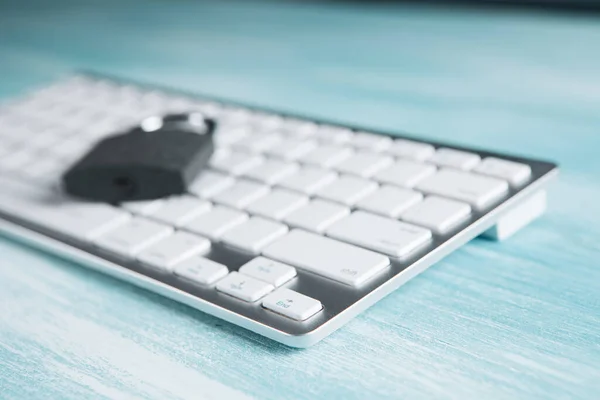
517,319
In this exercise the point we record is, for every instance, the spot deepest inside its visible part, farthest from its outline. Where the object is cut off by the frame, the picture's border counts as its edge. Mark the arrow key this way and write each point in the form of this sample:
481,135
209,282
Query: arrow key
243,287
270,271
292,304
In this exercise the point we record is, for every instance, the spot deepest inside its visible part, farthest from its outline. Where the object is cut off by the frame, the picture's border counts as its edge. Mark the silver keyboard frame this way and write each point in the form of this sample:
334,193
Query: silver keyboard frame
341,303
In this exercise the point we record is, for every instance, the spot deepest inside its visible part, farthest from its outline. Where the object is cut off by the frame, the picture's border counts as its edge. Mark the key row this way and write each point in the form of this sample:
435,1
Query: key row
364,162
296,210
331,147
58,121
479,191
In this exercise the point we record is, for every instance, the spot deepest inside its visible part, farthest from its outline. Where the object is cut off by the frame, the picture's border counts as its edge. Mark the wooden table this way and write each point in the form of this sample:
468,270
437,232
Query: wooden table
516,319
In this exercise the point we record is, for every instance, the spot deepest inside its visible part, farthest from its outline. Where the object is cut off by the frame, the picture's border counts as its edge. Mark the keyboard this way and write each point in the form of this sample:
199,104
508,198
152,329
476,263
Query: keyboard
297,226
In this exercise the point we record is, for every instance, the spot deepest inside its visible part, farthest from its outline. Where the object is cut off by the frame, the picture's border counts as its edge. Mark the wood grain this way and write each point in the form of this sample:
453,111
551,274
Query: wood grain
517,319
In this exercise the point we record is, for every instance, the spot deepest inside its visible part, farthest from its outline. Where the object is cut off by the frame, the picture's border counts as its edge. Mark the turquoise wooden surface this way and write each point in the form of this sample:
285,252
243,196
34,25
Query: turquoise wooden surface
518,319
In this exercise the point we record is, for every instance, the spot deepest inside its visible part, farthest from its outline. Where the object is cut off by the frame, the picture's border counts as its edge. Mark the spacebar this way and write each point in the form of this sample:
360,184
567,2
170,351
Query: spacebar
328,257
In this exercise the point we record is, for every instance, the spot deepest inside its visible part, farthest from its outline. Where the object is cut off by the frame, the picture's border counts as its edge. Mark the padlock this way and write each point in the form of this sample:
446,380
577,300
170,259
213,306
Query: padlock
159,158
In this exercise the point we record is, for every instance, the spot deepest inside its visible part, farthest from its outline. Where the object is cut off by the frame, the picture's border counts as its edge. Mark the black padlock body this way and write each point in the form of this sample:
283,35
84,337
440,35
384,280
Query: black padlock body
139,165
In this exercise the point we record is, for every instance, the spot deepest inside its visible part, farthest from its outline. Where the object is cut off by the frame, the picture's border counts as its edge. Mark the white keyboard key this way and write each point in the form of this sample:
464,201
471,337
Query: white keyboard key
292,304
477,190
19,159
130,238
178,210
270,271
437,214
46,169
393,238
327,257
74,219
347,190
308,179
8,119
266,122
271,171
326,156
164,254
254,234
72,148
216,222
389,201
200,270
291,148
412,150
317,215
277,204
298,128
370,141
213,110
17,131
405,173
44,141
244,287
258,143
232,128
364,164
514,172
235,163
5,150
142,207
208,183
455,159
242,193
235,115
333,134
229,135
